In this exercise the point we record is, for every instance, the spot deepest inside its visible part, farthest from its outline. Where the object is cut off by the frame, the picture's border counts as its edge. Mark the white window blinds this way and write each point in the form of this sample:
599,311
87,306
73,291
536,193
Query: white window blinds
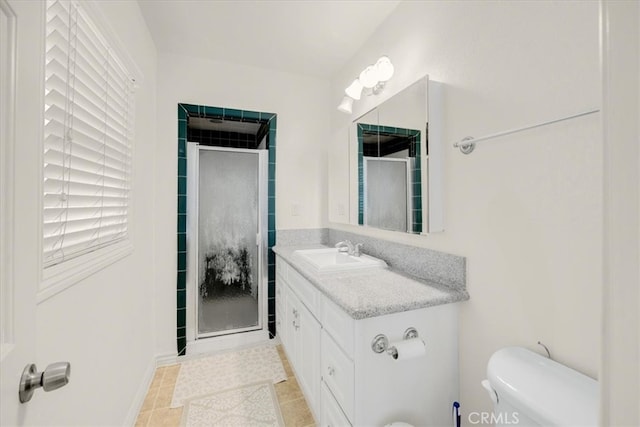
87,137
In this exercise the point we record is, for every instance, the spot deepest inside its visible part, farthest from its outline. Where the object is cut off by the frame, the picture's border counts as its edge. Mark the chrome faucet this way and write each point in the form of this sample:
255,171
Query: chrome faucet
349,248
357,250
345,246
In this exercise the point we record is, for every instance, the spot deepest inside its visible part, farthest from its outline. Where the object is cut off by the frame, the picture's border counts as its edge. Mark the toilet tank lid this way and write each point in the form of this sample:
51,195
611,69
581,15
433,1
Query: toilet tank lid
550,393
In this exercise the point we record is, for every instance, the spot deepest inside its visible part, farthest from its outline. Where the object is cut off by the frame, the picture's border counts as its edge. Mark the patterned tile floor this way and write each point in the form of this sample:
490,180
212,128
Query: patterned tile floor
155,411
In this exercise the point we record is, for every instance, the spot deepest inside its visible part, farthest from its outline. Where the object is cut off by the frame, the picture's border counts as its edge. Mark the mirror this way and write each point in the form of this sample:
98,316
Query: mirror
390,164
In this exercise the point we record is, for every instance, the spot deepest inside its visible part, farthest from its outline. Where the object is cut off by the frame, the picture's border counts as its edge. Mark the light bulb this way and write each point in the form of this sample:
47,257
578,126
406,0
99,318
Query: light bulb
346,105
369,77
354,90
384,68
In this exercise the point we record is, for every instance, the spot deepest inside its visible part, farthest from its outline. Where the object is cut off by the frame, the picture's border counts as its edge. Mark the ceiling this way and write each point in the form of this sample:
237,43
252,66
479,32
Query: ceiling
310,37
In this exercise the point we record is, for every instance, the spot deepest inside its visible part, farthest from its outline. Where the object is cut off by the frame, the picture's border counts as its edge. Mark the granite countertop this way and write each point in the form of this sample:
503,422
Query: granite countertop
375,292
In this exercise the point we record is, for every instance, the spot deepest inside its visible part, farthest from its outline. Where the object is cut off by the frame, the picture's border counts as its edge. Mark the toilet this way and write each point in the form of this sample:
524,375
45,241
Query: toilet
528,389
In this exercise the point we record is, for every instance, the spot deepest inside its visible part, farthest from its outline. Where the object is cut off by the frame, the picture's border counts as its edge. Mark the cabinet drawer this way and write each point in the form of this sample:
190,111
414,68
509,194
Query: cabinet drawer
331,414
338,374
307,293
340,326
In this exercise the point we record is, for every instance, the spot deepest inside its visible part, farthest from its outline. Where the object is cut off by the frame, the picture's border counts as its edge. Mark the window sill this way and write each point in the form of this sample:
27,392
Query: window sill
57,278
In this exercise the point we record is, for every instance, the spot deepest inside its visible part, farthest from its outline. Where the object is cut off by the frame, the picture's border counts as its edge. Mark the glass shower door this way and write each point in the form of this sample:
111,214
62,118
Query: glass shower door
387,189
229,244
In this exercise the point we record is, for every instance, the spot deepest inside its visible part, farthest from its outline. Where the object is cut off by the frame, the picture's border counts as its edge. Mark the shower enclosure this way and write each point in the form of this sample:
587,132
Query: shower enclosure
227,240
388,191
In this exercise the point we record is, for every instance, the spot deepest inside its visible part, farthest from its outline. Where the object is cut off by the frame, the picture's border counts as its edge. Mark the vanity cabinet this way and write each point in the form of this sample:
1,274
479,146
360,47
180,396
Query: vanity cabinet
281,307
304,345
345,382
299,331
331,414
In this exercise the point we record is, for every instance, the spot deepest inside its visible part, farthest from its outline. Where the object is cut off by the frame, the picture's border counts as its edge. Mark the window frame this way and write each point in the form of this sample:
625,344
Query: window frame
59,277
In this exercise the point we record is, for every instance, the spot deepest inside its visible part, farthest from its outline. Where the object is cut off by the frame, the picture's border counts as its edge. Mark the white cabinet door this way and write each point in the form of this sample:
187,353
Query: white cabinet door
291,326
281,309
301,339
308,336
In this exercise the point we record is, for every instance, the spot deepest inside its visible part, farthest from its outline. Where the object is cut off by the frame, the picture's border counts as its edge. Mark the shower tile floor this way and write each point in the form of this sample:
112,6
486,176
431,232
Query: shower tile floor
155,410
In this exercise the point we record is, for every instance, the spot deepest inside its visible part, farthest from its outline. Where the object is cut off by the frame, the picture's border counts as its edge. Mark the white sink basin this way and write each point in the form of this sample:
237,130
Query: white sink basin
329,260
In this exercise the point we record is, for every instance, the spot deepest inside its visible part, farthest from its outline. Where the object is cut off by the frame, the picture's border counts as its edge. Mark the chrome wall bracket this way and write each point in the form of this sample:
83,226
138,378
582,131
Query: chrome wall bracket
380,343
466,146
410,333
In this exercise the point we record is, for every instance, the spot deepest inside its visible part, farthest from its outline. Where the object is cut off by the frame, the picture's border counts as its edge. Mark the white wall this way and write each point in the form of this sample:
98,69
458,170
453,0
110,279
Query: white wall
526,210
103,325
301,165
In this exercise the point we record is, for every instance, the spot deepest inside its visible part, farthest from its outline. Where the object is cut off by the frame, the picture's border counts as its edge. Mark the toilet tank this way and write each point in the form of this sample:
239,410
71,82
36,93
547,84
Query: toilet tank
541,390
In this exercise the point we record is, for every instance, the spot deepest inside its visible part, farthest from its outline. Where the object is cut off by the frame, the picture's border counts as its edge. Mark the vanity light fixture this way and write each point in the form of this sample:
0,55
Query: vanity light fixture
354,90
346,105
371,81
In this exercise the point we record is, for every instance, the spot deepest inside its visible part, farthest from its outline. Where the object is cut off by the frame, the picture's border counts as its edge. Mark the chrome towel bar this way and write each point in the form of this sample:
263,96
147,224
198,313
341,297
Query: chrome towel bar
468,144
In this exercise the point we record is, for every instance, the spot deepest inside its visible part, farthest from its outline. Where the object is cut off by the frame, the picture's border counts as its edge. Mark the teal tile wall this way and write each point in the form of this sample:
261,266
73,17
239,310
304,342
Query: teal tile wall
416,172
361,129
416,225
184,111
181,306
271,211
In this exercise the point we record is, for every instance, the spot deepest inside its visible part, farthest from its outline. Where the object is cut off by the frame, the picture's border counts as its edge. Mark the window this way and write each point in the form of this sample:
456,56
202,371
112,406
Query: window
88,123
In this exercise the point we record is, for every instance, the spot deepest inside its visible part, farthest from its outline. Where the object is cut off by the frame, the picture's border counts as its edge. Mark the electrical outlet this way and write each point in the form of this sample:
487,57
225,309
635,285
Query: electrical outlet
295,209
341,209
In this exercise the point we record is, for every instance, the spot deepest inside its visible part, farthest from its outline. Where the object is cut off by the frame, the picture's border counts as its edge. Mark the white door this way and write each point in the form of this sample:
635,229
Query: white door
21,134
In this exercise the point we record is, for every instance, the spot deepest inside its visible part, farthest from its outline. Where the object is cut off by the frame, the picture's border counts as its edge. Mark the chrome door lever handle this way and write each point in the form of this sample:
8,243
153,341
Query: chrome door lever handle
52,378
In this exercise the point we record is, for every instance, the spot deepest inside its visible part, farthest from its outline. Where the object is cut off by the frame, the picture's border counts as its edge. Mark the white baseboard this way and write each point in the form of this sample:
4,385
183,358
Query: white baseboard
141,393
166,359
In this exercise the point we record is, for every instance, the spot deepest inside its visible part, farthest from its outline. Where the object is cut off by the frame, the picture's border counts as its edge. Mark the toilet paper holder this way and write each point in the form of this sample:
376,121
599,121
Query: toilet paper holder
380,342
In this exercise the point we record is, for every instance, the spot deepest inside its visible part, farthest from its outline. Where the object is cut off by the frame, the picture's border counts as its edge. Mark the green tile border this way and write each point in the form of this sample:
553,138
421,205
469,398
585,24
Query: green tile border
361,128
416,226
184,111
